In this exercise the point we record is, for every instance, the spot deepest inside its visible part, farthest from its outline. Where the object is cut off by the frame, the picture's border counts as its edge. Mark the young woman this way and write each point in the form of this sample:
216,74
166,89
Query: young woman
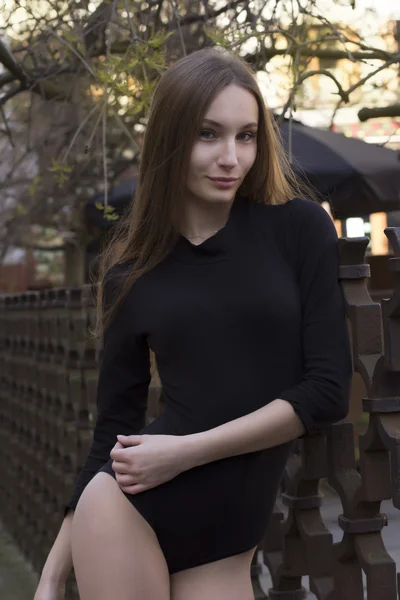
231,279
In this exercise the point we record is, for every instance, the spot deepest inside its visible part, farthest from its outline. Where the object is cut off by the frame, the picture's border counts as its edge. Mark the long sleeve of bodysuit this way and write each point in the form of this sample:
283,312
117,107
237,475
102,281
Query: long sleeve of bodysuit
322,396
122,390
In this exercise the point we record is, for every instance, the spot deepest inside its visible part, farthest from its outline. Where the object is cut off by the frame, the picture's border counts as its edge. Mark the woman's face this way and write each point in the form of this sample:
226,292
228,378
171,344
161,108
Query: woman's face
226,147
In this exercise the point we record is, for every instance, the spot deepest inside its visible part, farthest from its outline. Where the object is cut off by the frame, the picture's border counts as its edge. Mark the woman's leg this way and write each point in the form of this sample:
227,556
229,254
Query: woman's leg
115,552
226,579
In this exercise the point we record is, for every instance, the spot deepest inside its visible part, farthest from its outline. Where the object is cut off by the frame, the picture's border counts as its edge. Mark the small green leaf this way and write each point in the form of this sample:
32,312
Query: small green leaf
33,187
20,210
111,217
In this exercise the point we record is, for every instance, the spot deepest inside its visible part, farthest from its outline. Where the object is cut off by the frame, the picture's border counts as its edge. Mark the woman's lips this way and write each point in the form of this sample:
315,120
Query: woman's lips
223,183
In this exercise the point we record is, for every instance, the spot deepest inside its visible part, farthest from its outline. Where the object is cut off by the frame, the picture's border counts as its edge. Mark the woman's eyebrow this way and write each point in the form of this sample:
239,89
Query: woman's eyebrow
216,124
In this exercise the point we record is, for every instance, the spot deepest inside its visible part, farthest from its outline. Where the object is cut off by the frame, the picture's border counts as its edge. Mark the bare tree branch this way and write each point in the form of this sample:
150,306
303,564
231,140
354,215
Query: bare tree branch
6,125
380,111
179,24
344,95
6,78
7,60
361,82
14,91
269,53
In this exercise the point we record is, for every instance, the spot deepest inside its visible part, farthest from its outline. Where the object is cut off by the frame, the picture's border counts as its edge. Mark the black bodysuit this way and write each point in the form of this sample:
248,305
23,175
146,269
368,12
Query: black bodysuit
252,314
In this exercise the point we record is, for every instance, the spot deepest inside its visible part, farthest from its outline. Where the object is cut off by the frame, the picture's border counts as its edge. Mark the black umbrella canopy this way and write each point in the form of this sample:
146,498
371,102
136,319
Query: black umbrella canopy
355,177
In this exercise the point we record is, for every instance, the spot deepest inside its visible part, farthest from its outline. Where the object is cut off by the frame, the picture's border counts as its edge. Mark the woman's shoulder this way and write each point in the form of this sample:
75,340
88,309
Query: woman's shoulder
299,226
299,215
306,209
295,207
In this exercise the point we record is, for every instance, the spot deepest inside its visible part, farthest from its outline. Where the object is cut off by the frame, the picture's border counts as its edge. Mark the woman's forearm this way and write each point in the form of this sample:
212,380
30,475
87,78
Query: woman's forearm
271,425
59,561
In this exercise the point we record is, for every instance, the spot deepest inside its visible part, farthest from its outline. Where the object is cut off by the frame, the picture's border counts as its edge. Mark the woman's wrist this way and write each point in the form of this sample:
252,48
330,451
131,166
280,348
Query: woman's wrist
194,450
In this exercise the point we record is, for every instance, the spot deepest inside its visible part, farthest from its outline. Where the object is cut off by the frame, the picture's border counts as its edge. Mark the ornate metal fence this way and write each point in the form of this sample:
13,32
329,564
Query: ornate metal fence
48,378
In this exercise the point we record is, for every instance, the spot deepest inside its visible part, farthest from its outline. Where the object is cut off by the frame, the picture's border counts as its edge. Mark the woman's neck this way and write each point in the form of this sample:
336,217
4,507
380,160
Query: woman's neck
202,220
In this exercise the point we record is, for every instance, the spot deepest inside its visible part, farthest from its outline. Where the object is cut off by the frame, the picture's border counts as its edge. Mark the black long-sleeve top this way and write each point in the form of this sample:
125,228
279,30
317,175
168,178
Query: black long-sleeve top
252,314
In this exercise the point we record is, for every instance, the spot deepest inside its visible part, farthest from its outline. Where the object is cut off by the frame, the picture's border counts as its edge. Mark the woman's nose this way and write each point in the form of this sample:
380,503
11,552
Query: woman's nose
228,155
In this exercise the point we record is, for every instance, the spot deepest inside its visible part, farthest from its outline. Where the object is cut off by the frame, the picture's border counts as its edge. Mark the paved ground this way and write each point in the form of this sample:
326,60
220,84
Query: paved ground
17,581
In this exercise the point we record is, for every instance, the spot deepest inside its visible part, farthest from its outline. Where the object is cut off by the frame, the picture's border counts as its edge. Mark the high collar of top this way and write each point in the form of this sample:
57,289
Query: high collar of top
217,247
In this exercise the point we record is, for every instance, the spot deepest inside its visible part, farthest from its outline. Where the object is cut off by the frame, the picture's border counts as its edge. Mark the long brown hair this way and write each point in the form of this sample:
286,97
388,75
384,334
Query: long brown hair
150,229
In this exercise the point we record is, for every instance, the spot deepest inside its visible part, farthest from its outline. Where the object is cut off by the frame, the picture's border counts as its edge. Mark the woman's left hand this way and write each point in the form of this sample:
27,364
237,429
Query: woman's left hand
142,462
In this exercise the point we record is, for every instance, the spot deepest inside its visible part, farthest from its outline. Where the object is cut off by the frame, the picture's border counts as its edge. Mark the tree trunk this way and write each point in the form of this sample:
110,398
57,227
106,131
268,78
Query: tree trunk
75,264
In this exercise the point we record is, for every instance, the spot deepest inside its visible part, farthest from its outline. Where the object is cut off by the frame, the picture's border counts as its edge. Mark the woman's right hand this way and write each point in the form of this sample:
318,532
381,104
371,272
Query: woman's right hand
47,590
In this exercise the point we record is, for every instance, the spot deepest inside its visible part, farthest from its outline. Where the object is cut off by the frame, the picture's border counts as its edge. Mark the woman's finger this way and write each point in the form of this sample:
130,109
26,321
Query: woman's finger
118,453
125,480
119,467
134,489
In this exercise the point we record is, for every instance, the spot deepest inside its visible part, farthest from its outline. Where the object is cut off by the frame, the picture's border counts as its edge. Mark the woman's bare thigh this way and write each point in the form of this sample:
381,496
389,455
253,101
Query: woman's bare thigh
226,579
115,552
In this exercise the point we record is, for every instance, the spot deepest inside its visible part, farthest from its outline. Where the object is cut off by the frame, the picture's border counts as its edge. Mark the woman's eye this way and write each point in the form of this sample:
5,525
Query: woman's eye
250,136
208,135
205,132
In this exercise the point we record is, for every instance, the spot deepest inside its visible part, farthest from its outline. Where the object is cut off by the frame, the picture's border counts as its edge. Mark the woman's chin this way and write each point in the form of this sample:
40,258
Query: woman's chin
220,195
209,194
